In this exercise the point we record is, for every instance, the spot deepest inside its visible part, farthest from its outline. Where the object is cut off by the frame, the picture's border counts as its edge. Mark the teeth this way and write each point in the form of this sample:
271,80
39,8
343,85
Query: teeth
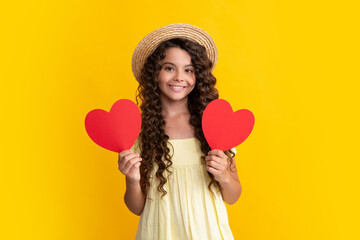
177,87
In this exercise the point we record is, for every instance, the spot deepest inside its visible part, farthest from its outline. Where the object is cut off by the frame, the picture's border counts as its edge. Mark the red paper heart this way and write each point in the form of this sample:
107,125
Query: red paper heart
223,128
116,130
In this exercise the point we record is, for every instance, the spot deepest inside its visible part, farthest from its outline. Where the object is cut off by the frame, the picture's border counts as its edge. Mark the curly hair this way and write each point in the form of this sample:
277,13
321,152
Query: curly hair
152,138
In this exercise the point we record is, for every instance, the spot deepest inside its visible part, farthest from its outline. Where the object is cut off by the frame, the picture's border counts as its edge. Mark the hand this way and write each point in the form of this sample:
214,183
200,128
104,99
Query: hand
217,164
129,164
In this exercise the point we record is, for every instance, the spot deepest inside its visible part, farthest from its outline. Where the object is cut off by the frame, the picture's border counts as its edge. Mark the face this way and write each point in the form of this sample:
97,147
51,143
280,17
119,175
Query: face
177,75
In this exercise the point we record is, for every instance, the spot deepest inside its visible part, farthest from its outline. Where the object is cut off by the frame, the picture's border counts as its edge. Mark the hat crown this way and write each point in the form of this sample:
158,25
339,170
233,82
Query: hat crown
151,41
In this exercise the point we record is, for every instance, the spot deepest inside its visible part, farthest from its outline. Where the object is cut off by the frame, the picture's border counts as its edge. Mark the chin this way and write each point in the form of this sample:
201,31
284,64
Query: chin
178,98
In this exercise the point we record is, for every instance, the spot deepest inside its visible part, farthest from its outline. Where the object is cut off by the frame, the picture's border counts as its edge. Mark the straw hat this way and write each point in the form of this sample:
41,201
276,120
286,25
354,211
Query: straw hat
151,41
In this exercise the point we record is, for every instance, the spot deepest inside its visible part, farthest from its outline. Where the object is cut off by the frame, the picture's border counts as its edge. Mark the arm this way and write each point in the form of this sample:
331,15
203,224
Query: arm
231,187
219,165
129,164
134,198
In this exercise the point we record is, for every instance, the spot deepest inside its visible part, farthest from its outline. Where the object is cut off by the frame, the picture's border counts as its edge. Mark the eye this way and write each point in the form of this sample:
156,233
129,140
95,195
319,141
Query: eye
168,68
189,70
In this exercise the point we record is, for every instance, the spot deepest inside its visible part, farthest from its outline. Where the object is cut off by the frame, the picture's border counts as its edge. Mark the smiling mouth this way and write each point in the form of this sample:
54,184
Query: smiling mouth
177,87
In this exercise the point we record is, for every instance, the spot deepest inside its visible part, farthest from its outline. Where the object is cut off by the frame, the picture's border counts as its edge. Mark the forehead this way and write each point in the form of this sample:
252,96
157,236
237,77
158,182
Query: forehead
177,55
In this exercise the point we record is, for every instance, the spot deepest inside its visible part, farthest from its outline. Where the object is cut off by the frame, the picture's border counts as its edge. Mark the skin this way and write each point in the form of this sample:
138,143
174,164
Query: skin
218,164
177,71
129,164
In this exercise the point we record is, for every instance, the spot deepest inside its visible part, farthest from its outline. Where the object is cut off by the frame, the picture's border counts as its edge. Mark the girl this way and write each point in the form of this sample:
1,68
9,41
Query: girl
174,181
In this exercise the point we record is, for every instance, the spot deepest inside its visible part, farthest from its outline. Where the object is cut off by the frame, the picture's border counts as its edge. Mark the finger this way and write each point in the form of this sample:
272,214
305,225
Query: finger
125,152
213,171
124,160
217,152
215,165
134,168
129,159
130,163
127,168
214,158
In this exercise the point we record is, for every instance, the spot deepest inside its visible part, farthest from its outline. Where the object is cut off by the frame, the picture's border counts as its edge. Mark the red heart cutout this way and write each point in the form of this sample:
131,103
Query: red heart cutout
223,128
116,130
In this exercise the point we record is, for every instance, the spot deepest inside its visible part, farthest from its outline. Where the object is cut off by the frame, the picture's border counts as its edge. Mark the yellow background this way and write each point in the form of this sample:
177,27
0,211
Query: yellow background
294,64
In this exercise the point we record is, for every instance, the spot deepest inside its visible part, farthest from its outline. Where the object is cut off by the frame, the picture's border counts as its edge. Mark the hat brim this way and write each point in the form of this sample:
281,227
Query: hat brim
151,41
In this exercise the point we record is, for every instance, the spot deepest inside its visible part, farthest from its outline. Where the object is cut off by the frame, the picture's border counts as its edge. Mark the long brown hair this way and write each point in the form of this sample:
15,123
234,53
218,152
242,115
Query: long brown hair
152,138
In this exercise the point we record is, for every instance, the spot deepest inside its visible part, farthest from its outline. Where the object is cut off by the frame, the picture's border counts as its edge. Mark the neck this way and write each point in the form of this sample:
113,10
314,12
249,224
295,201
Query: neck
172,108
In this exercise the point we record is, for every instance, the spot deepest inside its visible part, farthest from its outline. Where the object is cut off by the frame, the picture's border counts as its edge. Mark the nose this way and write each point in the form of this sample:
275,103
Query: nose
179,76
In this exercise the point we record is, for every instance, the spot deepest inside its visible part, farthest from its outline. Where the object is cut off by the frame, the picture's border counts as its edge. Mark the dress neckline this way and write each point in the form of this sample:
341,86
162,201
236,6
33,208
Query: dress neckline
181,139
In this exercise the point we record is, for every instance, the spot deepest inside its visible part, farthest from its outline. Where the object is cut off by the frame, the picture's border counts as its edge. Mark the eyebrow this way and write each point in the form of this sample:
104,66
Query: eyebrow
188,65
